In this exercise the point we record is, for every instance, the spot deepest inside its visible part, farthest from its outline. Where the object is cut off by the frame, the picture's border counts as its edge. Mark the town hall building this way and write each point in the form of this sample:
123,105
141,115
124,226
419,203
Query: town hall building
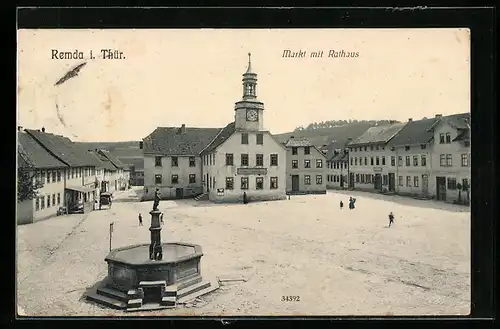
219,163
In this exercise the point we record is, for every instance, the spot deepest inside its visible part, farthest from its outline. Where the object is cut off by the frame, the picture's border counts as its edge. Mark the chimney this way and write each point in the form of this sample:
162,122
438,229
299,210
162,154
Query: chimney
43,129
438,115
410,119
19,128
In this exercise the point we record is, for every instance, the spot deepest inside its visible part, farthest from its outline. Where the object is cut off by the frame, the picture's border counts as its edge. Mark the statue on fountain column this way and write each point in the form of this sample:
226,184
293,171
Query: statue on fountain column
156,202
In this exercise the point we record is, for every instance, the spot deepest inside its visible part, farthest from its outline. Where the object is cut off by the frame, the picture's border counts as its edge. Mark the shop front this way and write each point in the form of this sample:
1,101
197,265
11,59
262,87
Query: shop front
80,199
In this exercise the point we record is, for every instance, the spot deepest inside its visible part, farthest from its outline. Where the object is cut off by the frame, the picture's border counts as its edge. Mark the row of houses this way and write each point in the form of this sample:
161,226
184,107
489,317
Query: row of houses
67,175
429,158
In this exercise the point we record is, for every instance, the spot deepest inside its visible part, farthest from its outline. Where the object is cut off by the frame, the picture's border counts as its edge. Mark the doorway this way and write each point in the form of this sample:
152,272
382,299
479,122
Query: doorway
378,182
179,193
425,184
295,183
351,180
441,188
392,182
207,183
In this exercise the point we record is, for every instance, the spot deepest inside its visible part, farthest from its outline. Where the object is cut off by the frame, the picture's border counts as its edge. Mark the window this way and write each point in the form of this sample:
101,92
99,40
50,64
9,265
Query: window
355,161
48,176
259,160
441,138
175,161
307,163
319,163
423,161
415,160
448,138
260,139
58,175
158,179
383,161
377,148
192,161
442,160
37,204
357,178
259,183
400,180
274,159
229,183
229,159
244,183
174,179
465,160
42,202
307,179
448,160
371,147
53,199
319,179
244,138
192,178
58,198
294,151
385,180
244,159
352,161
42,179
48,201
407,148
157,161
377,160
408,161
415,181
400,160
366,148
368,178
363,179
295,164
452,183
408,181
366,161
371,160
423,146
307,150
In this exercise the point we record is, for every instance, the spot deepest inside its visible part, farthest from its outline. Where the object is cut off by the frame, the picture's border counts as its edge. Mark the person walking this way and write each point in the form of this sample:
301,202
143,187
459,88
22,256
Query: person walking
391,219
245,198
140,220
351,204
341,205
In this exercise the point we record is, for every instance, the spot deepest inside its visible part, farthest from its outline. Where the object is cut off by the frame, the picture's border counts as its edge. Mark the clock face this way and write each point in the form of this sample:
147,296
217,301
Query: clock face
252,115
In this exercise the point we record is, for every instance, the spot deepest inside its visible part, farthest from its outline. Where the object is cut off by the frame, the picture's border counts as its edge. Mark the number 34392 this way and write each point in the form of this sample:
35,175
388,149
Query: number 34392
290,298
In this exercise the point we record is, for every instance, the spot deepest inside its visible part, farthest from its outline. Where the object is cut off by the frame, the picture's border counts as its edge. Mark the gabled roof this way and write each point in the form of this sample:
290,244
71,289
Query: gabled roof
63,148
378,134
414,132
172,141
114,160
302,142
220,138
32,154
102,161
463,135
298,142
458,121
138,162
341,156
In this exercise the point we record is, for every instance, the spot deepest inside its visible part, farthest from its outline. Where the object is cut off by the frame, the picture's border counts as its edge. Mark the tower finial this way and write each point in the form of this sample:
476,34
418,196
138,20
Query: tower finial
249,60
249,68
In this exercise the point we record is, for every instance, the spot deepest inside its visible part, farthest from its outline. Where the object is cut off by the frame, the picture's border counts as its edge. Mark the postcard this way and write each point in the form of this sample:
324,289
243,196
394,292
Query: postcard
243,172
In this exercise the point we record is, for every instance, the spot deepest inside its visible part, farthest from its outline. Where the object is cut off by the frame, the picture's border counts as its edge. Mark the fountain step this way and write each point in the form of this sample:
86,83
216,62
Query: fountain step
110,302
152,283
192,289
149,307
112,293
135,293
134,303
168,301
189,282
212,285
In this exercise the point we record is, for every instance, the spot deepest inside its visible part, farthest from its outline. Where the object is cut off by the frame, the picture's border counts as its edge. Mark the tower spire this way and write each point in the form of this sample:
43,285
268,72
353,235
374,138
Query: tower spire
249,69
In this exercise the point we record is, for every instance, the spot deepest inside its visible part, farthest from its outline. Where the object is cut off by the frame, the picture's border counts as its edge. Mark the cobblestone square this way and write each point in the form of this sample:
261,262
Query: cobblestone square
338,262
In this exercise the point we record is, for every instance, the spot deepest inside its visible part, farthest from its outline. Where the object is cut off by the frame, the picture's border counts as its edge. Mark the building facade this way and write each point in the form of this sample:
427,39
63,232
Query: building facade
244,158
337,169
369,159
306,167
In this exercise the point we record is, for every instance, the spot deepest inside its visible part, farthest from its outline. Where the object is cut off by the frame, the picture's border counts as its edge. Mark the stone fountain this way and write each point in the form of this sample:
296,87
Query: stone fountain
152,276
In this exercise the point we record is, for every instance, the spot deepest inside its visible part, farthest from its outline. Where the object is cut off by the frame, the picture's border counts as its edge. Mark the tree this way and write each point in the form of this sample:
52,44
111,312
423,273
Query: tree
27,184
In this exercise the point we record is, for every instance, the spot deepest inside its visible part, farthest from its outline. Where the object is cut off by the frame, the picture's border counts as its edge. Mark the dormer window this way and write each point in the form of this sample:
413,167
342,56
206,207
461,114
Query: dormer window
407,148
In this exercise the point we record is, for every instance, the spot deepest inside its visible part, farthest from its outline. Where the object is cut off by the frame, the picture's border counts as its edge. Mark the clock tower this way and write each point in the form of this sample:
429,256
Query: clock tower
249,111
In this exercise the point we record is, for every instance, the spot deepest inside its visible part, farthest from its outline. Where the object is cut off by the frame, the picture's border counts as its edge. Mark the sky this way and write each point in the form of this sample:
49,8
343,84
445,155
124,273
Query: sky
171,77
